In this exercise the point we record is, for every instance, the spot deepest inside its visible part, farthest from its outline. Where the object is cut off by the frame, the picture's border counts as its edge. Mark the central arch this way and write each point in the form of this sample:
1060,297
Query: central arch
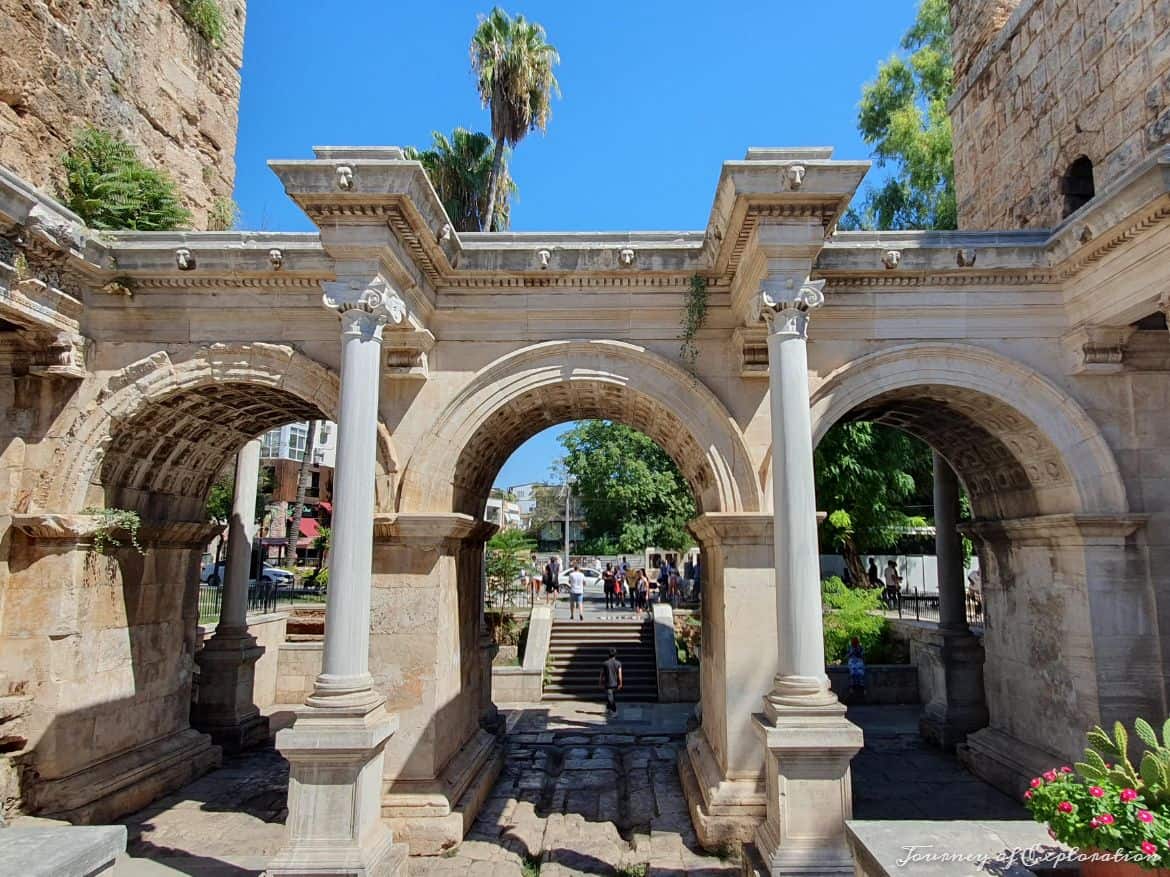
545,384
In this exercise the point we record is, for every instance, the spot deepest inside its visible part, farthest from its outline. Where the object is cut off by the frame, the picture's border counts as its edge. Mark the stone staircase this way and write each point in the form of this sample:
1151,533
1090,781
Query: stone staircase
577,649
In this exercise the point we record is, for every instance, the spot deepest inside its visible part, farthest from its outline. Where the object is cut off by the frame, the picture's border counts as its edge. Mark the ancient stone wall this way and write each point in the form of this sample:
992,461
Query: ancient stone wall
130,66
1060,79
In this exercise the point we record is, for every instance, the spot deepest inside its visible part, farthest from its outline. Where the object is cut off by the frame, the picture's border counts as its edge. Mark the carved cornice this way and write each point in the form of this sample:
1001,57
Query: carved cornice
1098,249
80,529
843,282
280,281
812,211
492,282
1080,529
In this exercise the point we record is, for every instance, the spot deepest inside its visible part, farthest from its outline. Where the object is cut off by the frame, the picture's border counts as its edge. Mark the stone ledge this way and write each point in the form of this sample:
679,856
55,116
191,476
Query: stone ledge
61,851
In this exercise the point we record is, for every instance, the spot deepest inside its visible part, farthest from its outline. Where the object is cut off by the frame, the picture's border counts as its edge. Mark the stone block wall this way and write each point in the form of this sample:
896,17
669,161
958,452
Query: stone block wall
1057,80
134,67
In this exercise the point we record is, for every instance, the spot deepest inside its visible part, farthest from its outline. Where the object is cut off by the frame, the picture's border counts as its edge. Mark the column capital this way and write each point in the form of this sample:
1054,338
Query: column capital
784,303
365,304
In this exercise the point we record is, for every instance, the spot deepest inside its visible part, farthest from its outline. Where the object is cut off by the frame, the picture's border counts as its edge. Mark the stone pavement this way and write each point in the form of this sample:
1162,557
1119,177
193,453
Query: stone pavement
579,794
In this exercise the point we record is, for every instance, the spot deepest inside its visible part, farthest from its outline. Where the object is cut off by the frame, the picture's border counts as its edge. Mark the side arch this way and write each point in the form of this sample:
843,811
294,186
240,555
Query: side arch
539,386
1021,445
161,428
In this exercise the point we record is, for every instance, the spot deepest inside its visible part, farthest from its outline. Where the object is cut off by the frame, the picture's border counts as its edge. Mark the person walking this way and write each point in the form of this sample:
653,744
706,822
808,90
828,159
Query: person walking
875,580
611,681
697,590
577,593
619,589
893,584
608,581
550,583
643,590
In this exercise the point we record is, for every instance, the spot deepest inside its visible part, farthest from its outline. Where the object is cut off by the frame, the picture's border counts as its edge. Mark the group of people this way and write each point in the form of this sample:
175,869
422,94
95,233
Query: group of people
892,584
623,586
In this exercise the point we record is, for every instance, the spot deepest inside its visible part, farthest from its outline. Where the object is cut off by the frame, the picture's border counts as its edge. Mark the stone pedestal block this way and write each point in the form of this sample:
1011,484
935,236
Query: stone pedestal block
954,662
335,828
227,704
808,789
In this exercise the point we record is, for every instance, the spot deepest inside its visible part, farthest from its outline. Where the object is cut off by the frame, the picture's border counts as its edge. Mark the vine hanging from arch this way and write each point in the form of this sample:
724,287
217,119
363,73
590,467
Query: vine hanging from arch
693,317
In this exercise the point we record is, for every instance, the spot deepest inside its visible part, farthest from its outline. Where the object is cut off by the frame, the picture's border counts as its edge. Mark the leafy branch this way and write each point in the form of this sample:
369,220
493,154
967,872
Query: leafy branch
110,523
693,318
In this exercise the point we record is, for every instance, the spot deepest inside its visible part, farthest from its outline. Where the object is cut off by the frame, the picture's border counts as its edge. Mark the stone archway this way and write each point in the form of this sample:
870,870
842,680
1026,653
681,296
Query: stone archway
1051,525
156,435
435,541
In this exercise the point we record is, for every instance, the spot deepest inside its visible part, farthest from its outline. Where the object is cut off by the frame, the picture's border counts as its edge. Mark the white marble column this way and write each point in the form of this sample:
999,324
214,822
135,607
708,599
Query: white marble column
809,742
233,610
948,548
335,748
225,705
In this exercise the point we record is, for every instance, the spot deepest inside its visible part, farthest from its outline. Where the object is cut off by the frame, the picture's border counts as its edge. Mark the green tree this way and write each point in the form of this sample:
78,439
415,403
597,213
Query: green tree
507,553
460,169
903,116
550,506
513,64
867,475
632,493
110,188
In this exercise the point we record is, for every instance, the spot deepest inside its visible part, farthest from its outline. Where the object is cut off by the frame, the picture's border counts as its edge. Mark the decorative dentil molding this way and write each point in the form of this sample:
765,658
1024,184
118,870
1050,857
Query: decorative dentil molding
784,305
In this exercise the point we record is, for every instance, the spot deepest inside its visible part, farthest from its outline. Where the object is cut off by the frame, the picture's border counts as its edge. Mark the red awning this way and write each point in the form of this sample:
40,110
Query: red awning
327,506
309,528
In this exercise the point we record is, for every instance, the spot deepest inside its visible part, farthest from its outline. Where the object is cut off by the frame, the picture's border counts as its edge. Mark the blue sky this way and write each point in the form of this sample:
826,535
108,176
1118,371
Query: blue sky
656,95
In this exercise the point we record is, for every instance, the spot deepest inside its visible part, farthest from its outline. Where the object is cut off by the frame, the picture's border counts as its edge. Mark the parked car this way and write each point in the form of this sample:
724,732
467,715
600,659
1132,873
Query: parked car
212,574
592,577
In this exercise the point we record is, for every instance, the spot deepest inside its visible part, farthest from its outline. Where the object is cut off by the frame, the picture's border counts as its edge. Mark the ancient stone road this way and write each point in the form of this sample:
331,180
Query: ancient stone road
578,795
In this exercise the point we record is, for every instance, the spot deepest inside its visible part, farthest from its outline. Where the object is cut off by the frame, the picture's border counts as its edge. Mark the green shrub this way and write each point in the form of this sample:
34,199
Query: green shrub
110,188
223,215
205,17
853,612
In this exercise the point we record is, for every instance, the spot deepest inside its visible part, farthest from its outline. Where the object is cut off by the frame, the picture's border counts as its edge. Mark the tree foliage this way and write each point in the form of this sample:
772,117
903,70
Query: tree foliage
632,493
460,169
507,553
109,187
513,65
903,116
866,477
852,613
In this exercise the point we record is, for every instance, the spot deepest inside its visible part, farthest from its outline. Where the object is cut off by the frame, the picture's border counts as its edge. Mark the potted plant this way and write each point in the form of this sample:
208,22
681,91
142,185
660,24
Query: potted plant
1117,816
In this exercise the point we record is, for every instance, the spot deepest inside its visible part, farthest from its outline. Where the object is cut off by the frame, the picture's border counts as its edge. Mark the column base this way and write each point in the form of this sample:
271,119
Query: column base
724,811
110,789
1007,763
335,771
951,664
808,788
432,816
226,707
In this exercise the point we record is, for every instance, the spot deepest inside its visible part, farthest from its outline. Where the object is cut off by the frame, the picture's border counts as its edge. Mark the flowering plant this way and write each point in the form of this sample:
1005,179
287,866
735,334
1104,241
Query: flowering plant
1107,805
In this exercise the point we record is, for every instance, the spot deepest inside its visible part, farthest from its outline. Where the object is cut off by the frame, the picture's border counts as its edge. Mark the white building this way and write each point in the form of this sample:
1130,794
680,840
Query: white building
288,443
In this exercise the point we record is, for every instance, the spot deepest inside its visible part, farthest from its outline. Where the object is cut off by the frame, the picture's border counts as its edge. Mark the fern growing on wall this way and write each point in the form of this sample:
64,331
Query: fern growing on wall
109,187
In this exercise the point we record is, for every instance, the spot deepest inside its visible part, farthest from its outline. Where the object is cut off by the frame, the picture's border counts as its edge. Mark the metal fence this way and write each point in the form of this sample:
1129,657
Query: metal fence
513,596
261,599
924,607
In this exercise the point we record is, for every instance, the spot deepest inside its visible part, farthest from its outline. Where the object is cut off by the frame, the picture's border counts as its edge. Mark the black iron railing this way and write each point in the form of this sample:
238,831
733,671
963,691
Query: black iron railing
513,596
261,600
924,606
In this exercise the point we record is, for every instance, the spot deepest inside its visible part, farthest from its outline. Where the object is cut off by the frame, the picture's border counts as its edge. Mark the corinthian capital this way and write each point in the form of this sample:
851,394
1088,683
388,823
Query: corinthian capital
367,304
784,305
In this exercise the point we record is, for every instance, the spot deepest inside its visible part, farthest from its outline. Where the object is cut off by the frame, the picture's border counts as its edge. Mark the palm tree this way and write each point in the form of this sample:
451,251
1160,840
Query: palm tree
460,169
513,65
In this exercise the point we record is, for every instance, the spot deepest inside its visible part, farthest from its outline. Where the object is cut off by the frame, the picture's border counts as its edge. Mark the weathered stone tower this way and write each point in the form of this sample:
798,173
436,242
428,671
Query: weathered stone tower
1054,100
135,67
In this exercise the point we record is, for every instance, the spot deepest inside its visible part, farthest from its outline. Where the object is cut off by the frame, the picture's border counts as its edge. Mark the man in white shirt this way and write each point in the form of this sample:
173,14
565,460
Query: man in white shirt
577,593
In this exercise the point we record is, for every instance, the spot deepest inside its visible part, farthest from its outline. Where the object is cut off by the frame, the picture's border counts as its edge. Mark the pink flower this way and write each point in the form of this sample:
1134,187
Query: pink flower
1096,791
1064,807
1094,822
1145,816
1036,782
1028,795
1066,769
1128,795
1148,848
1106,818
1050,775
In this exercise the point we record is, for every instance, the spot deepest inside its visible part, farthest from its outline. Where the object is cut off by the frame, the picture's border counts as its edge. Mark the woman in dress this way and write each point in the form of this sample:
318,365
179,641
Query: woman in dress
856,660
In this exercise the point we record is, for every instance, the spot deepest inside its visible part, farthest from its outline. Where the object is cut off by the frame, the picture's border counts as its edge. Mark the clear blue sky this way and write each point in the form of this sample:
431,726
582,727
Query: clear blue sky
656,96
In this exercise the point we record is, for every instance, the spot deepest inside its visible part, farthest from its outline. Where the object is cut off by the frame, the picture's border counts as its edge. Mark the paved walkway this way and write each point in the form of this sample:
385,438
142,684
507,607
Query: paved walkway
579,794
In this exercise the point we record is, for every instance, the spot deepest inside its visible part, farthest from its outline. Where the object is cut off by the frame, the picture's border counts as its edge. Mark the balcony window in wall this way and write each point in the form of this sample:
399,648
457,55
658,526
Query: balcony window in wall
298,436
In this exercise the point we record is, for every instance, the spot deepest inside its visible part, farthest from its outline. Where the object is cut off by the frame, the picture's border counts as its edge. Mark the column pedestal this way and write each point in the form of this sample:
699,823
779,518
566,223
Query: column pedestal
808,788
335,826
226,708
954,662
